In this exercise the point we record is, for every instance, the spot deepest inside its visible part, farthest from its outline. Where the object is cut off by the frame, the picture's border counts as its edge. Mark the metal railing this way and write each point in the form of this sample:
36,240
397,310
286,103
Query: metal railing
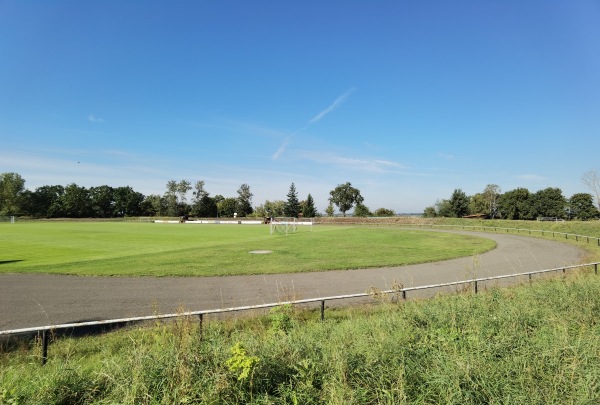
403,292
481,228
518,231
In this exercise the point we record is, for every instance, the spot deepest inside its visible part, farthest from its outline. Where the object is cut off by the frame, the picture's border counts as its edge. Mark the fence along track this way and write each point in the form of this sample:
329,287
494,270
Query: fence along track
496,229
46,330
518,231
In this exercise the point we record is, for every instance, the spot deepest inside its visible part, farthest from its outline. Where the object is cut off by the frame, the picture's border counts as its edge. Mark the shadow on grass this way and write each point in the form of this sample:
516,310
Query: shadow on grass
9,261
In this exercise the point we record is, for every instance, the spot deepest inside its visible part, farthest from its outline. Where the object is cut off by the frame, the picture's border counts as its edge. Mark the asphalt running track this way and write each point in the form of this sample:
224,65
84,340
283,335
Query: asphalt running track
29,300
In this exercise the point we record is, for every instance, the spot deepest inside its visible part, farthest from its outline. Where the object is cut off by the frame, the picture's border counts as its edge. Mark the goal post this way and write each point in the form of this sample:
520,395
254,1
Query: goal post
288,225
283,225
8,218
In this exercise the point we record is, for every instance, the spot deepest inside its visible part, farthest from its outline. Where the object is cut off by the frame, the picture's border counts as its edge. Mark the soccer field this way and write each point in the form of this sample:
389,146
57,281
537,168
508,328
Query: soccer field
148,249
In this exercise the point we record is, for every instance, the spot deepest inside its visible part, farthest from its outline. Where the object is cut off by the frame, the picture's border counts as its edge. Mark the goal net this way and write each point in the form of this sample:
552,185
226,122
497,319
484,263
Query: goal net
283,226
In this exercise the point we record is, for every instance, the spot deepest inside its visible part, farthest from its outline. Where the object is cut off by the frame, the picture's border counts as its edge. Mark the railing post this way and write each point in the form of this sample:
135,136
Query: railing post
322,310
44,346
595,268
404,295
200,321
476,290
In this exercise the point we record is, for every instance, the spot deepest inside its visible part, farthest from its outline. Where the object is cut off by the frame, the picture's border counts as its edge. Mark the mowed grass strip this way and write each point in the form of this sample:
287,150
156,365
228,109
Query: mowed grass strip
131,249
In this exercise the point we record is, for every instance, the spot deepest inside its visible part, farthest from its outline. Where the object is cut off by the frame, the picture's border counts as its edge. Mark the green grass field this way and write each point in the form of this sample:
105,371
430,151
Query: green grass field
530,344
148,249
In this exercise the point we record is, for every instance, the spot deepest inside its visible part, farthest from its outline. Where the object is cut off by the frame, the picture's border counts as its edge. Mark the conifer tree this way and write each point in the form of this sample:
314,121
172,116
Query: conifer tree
292,205
308,209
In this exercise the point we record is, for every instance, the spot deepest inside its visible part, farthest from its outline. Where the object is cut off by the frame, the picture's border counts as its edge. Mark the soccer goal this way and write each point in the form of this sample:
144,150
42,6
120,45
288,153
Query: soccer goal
287,225
283,225
8,218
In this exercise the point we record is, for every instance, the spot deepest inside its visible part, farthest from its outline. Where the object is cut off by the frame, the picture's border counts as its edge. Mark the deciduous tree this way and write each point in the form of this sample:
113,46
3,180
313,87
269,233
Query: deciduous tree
156,204
102,201
345,196
592,181
175,197
459,204
490,195
443,208
384,212
128,202
581,206
516,204
12,186
271,209
76,202
170,198
549,202
203,205
47,202
227,207
244,200
478,204
361,210
429,212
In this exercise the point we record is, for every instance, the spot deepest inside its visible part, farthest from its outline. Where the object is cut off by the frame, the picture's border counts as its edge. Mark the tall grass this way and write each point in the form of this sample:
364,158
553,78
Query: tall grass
521,345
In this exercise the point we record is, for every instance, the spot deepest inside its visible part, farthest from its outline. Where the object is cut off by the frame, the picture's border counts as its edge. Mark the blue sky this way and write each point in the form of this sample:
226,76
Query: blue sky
406,100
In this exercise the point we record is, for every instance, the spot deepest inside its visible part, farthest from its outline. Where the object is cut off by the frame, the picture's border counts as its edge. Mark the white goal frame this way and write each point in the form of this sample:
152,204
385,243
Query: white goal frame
287,225
283,226
8,218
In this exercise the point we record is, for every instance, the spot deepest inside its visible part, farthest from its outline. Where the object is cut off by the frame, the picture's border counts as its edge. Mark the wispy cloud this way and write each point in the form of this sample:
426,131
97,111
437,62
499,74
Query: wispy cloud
338,102
281,149
531,177
369,165
389,164
445,156
93,118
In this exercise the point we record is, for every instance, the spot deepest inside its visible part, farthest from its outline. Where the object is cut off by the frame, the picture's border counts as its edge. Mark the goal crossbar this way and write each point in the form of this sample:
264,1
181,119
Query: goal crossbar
285,226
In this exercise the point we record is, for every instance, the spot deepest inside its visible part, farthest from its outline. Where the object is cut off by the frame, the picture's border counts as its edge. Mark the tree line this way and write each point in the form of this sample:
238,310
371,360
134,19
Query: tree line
517,204
74,201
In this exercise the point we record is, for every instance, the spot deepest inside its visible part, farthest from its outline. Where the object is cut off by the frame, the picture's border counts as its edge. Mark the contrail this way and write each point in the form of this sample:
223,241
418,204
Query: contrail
281,149
338,101
286,142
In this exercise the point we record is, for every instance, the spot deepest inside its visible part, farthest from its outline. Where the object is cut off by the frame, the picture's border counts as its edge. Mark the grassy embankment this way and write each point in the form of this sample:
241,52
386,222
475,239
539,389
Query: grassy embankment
521,345
530,344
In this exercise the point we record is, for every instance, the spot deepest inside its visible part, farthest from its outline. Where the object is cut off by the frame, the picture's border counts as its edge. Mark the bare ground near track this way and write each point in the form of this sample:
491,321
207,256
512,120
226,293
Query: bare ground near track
28,300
